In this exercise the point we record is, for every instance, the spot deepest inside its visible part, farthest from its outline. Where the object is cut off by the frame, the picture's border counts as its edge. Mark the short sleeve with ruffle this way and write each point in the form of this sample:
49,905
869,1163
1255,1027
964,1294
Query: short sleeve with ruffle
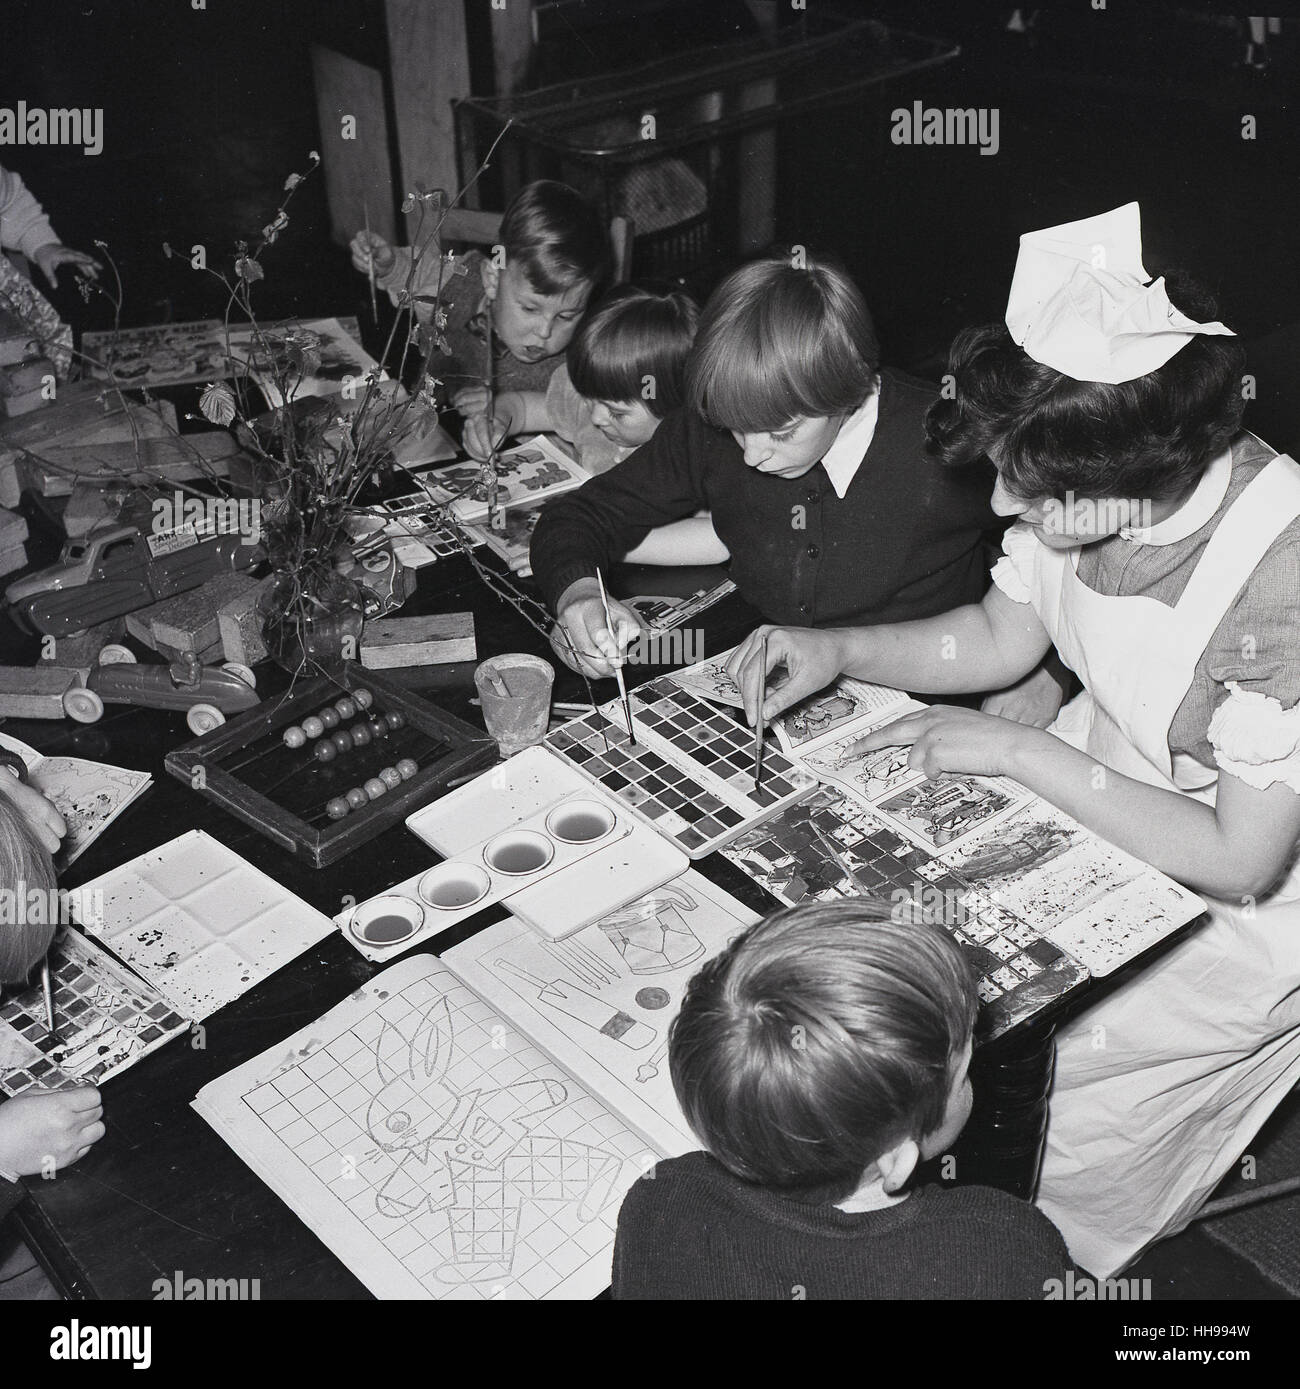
1256,739
1014,571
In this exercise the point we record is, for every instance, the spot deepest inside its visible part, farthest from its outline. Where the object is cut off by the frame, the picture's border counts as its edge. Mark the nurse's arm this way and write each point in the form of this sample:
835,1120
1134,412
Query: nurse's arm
982,646
1235,849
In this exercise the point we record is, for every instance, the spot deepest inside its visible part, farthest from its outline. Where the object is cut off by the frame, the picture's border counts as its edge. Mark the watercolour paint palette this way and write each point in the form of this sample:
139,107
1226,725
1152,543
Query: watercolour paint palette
104,1021
690,773
580,882
200,923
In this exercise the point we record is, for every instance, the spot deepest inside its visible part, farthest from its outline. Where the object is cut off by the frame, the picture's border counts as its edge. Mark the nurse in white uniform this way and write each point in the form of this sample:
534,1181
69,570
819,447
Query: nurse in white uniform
1157,547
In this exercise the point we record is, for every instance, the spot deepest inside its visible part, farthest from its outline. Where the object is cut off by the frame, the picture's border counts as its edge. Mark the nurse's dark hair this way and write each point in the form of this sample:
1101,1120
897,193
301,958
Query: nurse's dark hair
1150,438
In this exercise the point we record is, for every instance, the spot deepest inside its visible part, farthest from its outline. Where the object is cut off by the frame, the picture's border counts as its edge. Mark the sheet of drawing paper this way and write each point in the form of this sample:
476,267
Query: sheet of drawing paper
200,923
432,1147
104,1021
89,795
600,1001
1091,899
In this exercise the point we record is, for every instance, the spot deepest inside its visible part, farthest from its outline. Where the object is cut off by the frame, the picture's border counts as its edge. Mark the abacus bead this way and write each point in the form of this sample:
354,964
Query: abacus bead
294,737
361,735
342,740
390,776
357,798
345,707
363,699
329,716
378,727
325,751
395,719
375,788
336,808
407,768
313,727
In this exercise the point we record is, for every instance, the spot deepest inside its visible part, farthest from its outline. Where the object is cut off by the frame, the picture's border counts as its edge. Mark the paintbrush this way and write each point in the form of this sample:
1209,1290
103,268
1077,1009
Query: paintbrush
758,721
370,264
48,991
618,669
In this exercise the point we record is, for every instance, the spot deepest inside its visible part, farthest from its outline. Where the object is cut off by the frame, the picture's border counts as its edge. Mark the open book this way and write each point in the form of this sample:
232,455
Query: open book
89,795
467,1128
527,474
978,842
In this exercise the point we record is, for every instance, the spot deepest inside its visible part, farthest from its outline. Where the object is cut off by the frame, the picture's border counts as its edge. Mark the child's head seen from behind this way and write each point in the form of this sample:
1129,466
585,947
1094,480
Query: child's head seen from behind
822,1038
27,872
628,358
556,254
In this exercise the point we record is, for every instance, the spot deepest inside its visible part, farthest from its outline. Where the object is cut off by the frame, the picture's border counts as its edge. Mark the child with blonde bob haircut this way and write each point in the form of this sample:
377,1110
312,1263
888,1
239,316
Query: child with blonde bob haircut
57,1126
819,1059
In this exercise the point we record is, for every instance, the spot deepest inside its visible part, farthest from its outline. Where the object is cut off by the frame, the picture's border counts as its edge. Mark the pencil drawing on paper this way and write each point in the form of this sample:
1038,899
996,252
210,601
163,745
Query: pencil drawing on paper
460,1149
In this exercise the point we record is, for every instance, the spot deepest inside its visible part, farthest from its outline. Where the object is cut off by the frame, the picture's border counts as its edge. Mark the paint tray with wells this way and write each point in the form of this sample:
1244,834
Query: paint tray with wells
690,770
330,764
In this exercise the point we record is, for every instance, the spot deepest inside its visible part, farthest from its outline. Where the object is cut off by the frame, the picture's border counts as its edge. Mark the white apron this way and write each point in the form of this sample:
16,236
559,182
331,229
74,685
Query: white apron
1162,1084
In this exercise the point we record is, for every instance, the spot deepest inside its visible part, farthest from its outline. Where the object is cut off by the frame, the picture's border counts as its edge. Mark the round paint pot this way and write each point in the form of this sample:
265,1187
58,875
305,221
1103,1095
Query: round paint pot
386,920
517,853
453,886
580,822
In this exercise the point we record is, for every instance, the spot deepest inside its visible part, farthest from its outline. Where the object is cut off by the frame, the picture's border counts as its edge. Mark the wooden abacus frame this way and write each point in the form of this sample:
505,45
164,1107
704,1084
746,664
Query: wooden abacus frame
470,750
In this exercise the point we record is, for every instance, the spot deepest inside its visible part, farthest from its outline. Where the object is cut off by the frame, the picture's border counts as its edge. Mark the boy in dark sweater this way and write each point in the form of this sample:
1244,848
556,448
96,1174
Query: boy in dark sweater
820,1058
810,459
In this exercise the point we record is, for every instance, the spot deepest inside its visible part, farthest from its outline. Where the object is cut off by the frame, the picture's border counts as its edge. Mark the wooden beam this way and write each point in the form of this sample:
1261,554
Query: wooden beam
429,65
512,44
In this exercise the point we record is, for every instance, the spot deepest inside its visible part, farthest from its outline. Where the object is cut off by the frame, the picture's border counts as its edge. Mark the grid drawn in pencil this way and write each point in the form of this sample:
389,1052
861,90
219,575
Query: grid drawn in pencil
472,1162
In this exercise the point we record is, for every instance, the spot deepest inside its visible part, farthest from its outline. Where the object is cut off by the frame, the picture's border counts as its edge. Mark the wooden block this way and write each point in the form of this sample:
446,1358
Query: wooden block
438,639
12,558
34,692
18,403
240,626
80,652
207,656
188,622
54,471
28,375
92,504
13,529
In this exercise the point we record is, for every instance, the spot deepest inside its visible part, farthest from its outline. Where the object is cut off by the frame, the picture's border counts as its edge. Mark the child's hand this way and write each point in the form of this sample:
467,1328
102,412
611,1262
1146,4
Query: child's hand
369,248
62,1124
53,255
592,648
482,434
39,812
471,400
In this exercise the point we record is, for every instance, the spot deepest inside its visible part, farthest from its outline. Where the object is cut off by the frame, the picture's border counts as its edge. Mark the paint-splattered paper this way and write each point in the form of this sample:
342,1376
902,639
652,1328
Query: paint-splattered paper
200,923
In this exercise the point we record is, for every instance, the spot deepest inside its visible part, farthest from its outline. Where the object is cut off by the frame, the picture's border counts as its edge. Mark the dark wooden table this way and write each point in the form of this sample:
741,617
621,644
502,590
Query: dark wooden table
161,1194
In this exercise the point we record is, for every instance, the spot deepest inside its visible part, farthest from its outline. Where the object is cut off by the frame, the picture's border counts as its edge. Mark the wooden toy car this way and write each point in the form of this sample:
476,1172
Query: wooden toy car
117,569
207,693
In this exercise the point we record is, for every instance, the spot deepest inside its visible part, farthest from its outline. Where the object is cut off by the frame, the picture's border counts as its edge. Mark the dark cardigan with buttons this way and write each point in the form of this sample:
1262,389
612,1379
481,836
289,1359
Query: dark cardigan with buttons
905,541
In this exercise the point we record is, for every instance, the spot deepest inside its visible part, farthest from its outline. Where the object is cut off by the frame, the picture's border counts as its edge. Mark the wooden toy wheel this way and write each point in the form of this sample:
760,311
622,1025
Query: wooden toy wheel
85,706
203,718
240,672
115,654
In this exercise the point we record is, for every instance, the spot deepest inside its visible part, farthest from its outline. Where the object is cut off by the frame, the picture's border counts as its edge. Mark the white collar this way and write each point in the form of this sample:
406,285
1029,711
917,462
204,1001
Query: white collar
1206,499
845,455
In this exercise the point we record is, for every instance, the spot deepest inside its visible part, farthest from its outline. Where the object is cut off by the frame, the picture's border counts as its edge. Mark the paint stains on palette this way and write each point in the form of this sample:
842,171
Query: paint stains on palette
103,1022
690,772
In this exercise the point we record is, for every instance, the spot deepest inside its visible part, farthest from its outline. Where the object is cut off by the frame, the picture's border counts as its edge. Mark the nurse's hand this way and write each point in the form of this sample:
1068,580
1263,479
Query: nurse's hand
812,659
947,739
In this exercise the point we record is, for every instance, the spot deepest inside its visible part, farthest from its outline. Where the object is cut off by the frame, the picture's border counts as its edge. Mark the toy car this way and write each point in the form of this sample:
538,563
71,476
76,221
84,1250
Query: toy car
117,569
207,693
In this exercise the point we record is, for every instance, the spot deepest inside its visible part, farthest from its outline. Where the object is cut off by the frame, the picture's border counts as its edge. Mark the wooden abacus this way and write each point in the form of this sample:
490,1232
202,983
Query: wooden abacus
333,763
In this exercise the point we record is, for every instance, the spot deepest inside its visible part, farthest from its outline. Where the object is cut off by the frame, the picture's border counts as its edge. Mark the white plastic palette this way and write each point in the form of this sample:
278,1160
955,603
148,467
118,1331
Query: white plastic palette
200,923
581,883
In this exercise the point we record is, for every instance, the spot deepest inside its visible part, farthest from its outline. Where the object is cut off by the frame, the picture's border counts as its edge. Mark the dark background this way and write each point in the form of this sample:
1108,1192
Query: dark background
206,112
